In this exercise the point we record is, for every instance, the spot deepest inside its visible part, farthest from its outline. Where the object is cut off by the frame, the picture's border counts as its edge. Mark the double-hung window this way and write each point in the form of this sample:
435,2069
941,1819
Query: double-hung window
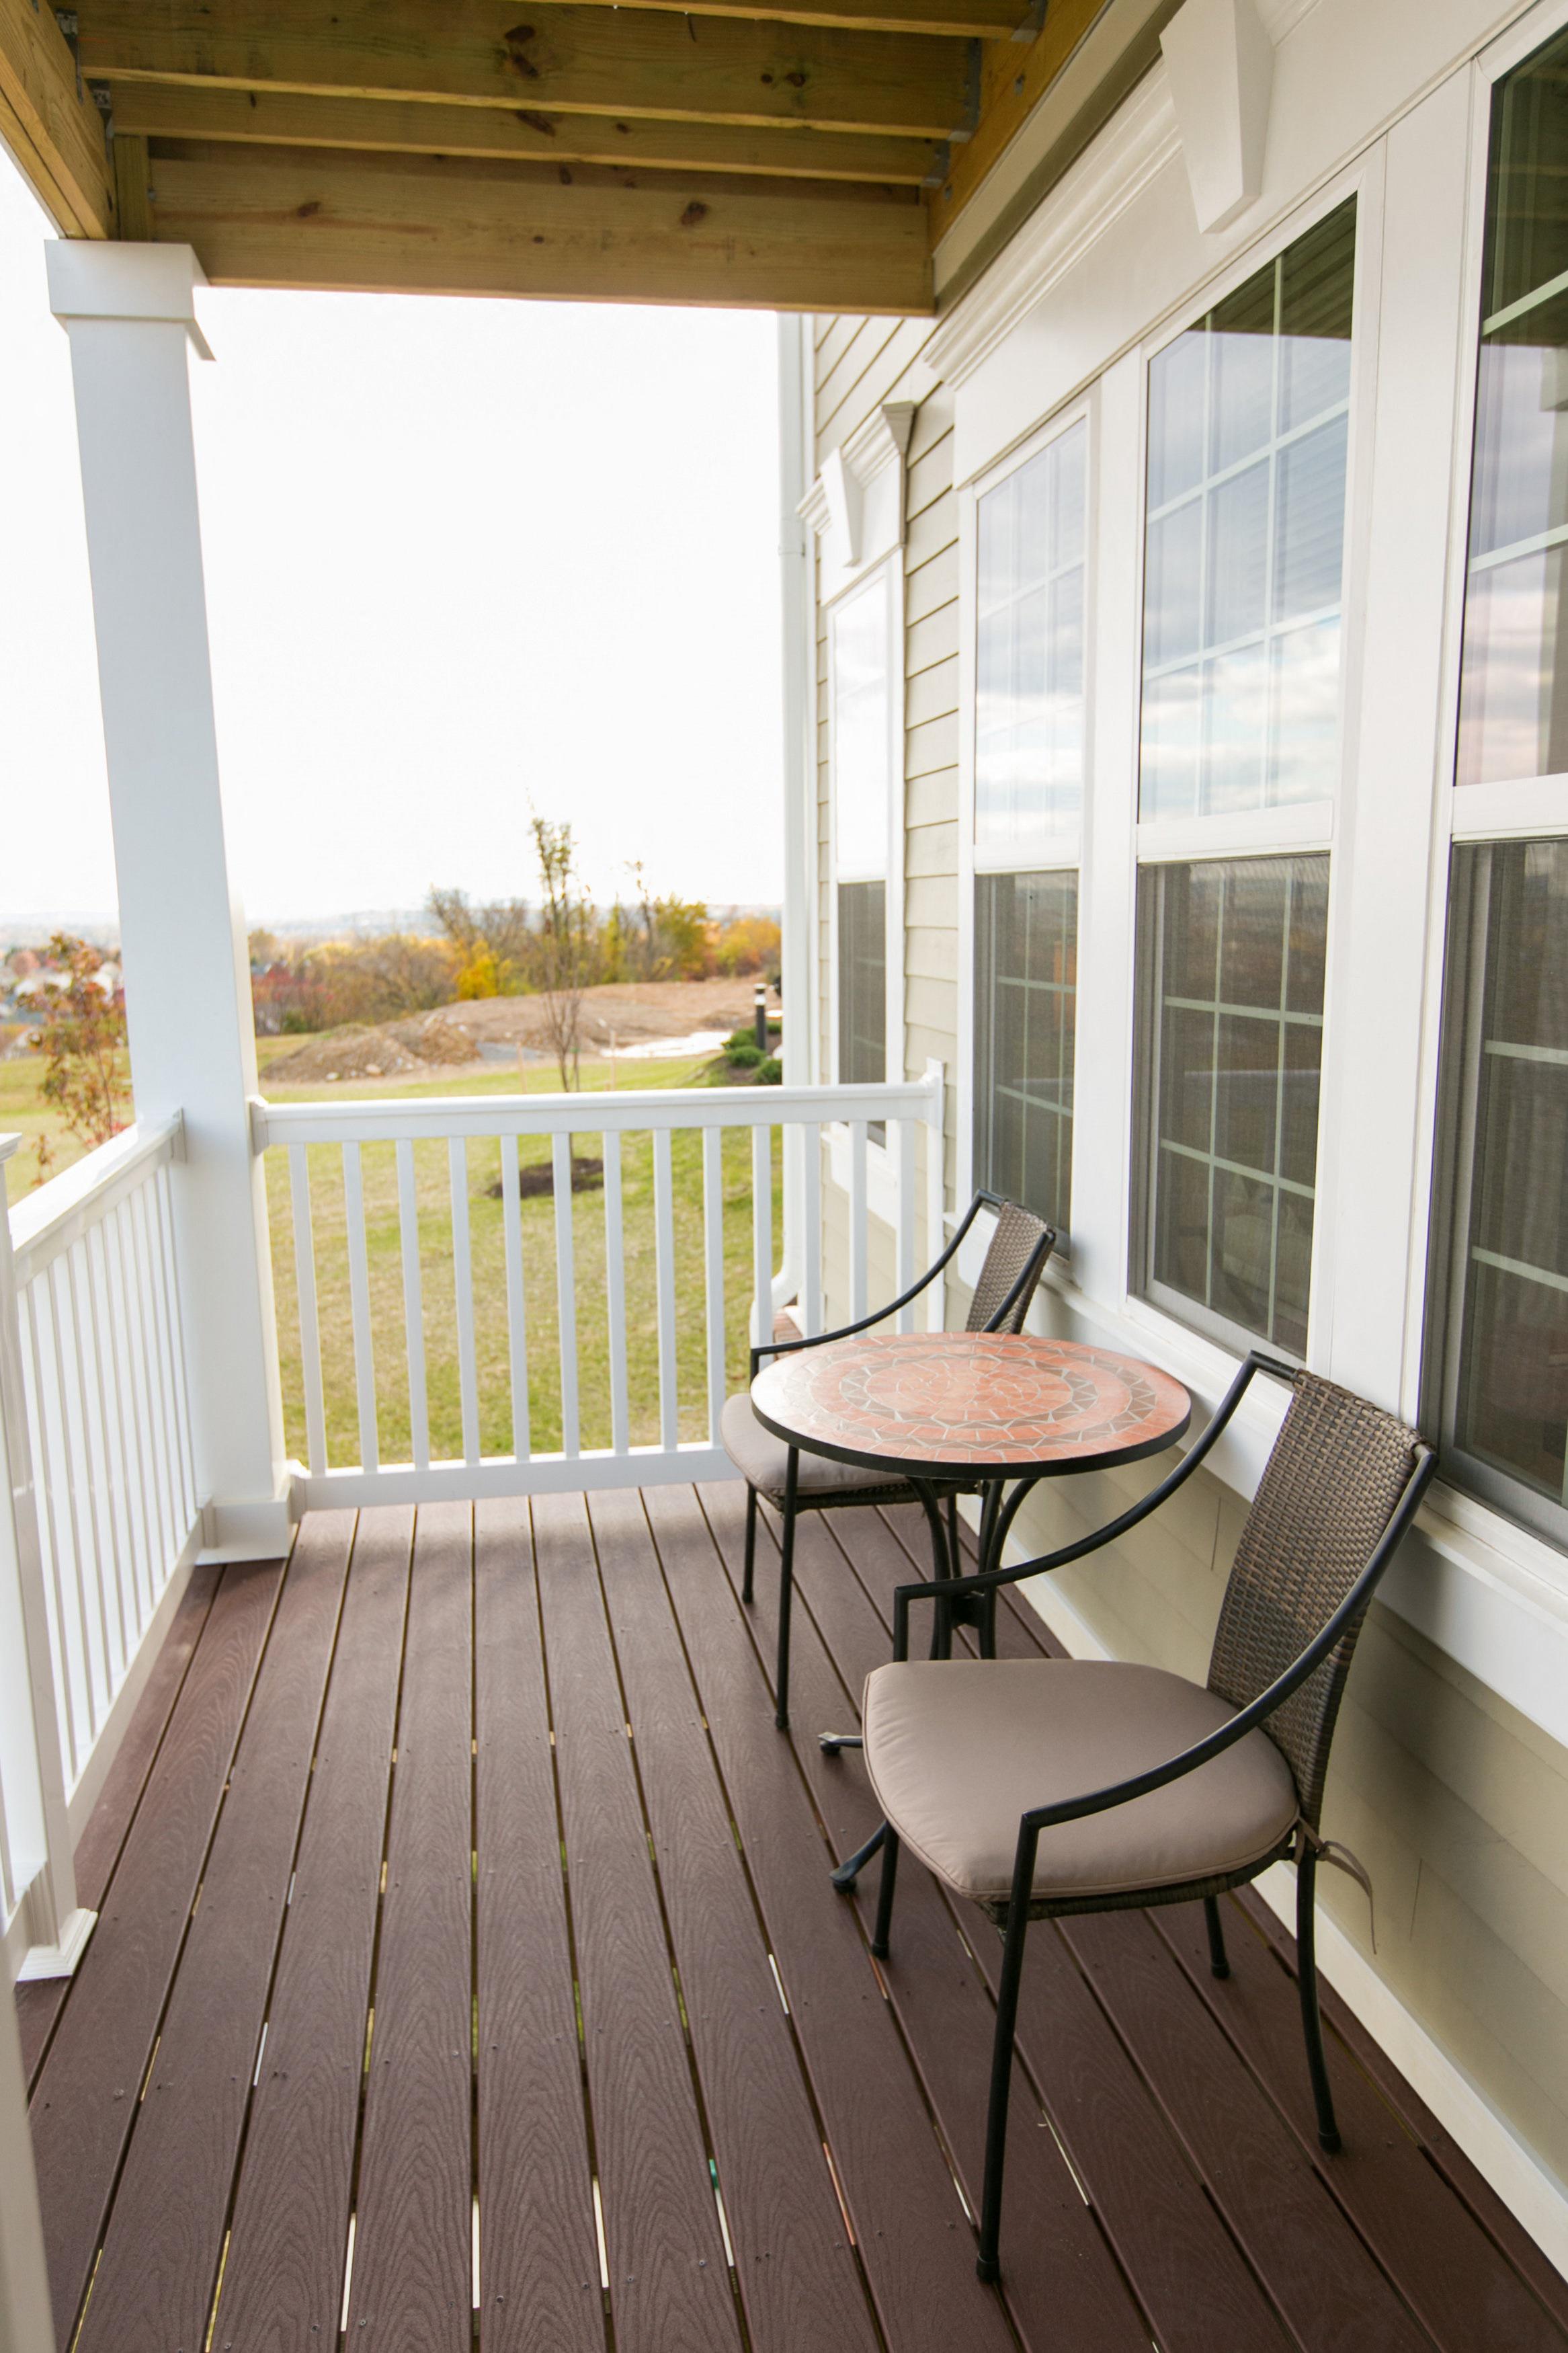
1028,760
1498,1353
864,722
1248,413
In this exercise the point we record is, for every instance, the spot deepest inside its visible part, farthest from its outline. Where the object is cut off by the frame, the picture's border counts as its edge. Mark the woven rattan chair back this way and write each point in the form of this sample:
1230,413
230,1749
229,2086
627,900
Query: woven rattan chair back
1338,1469
1018,1231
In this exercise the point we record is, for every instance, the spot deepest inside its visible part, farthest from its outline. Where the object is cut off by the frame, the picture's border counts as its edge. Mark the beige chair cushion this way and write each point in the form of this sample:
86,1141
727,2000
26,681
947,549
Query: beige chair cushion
763,1459
958,1749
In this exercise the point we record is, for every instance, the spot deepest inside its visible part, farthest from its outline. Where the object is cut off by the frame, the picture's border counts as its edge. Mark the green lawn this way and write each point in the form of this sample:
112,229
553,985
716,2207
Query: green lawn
21,1108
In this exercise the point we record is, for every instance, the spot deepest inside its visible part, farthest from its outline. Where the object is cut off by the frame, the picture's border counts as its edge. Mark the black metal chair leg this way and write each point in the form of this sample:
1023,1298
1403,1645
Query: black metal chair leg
830,1743
987,2263
786,1593
1306,1986
954,1554
885,1893
1219,1966
748,1583
849,1869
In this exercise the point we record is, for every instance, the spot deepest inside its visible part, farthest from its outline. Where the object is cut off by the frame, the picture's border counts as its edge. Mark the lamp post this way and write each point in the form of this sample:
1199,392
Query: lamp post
760,1015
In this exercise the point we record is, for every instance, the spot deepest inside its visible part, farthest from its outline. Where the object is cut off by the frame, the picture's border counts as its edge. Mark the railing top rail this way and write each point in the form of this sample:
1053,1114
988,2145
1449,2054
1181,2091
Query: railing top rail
382,1119
47,1222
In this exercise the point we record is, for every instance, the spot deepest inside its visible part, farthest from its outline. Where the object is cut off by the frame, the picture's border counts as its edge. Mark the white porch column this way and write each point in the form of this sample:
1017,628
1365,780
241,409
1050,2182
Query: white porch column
130,313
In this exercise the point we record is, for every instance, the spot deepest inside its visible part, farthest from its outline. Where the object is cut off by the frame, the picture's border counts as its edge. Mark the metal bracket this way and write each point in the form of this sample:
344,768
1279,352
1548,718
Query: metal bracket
941,158
66,19
102,98
1033,24
967,127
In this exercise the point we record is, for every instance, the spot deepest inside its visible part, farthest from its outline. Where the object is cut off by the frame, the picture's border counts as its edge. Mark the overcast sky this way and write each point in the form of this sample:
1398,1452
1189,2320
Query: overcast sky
462,557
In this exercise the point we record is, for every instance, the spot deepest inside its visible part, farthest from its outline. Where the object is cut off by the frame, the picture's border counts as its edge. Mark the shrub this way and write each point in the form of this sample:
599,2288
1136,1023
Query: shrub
742,1052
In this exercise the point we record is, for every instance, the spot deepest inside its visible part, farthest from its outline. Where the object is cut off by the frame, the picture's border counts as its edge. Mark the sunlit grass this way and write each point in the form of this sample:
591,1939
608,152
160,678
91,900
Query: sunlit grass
432,1181
22,1108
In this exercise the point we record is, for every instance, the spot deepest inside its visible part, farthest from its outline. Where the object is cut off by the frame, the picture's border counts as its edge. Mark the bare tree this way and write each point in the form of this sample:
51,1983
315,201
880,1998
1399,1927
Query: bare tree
565,943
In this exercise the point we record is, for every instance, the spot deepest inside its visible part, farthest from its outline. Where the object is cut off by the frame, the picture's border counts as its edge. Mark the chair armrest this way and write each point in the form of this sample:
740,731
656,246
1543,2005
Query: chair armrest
847,1331
1256,1710
989,1581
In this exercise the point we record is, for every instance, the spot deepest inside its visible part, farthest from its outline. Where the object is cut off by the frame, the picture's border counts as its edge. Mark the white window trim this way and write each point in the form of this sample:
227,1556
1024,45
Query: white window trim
1058,850
880,1163
1523,808
1294,829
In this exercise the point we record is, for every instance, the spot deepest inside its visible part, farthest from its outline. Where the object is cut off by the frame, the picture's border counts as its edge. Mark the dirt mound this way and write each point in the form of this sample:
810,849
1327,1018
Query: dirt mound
495,1029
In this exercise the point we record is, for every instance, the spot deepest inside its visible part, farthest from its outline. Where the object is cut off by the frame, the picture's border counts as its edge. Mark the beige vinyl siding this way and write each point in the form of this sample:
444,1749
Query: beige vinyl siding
1457,1804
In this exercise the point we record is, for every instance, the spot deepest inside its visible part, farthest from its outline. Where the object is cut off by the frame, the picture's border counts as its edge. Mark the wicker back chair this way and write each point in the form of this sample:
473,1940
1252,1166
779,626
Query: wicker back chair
1015,1261
794,1483
1333,1483
1039,1788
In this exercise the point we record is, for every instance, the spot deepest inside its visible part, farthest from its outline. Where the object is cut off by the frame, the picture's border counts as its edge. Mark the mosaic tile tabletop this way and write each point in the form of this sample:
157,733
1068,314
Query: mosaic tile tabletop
970,1399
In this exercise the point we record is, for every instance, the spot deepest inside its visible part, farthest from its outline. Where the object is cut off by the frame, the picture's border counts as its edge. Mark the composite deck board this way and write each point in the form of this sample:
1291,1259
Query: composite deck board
904,2205
84,2101
283,2271
1513,2242
411,2290
698,1843
1060,2276
539,2264
1187,2275
1329,2292
1446,2266
40,2003
797,2273
154,2286
669,2281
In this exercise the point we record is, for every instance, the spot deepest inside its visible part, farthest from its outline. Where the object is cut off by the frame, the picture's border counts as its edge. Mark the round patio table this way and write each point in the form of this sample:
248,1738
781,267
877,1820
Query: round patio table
971,1411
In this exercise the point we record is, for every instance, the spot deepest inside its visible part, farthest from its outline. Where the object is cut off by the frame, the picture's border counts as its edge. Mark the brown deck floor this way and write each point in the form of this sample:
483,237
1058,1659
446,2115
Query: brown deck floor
467,1970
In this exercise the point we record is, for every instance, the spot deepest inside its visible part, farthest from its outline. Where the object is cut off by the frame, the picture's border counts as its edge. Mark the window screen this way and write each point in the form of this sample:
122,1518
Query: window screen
1504,1363
1234,956
862,982
1248,417
1025,1004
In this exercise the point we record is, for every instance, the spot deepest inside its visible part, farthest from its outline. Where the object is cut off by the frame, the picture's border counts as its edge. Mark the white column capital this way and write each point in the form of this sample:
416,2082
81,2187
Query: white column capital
91,280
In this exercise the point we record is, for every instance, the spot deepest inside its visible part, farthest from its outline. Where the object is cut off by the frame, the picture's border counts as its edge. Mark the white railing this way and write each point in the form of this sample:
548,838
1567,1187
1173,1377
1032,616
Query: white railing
104,1512
433,1349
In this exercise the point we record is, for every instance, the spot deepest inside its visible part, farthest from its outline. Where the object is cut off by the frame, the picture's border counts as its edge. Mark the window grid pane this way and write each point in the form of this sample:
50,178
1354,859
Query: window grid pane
1243,561
1028,726
1508,1373
862,982
1025,998
1514,690
1232,1084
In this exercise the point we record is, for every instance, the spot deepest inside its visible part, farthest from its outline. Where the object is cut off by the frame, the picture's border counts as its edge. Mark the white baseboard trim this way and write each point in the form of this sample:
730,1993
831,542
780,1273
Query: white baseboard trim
57,1960
1532,2193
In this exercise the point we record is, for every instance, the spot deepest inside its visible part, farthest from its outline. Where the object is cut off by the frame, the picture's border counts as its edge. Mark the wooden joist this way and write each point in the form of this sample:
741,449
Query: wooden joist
525,135
297,217
50,125
576,59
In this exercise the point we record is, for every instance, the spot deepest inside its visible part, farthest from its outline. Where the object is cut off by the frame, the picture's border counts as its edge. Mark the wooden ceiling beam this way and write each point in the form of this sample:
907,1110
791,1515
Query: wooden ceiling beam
286,217
582,59
52,128
401,126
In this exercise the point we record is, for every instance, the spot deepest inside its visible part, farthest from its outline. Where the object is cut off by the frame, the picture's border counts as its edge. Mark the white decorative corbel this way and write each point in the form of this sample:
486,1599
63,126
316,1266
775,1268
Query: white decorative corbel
856,506
1219,62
